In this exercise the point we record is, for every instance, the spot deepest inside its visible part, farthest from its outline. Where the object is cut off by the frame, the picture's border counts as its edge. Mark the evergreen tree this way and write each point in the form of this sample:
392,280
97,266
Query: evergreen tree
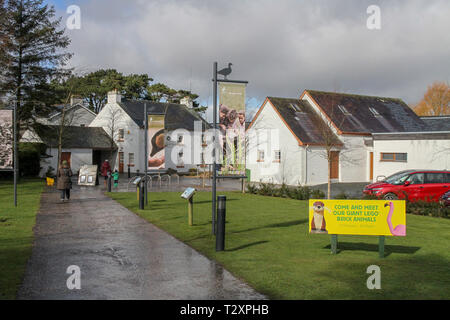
32,54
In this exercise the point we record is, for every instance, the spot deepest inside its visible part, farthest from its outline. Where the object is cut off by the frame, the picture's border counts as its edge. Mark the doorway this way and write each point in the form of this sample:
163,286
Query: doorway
334,174
66,156
121,162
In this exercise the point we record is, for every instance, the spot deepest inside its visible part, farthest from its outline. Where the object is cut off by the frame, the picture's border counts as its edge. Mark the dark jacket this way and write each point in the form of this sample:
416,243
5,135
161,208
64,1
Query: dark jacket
63,178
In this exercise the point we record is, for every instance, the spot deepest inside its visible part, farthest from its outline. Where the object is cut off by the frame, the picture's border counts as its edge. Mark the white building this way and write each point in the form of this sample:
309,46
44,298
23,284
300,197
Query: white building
77,114
124,121
79,145
88,141
366,137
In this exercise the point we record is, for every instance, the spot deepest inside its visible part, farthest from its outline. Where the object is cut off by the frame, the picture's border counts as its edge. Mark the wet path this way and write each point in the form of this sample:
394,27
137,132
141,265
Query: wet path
120,256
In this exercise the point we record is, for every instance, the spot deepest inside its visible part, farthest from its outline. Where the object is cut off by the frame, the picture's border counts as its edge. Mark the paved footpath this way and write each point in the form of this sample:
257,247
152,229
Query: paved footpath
120,255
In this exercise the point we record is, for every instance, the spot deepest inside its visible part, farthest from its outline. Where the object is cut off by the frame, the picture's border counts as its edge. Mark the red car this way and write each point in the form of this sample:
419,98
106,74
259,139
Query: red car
428,185
445,199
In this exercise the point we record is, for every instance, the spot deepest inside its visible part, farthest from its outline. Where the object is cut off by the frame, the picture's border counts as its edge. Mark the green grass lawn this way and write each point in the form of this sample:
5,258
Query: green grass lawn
268,245
16,234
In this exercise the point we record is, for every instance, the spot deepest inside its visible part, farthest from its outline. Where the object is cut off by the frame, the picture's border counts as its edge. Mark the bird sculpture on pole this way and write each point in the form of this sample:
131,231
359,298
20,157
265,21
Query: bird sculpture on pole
225,71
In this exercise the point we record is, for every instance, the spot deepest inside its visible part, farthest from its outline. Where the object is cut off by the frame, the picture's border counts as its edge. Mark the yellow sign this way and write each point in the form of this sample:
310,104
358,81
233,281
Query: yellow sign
358,217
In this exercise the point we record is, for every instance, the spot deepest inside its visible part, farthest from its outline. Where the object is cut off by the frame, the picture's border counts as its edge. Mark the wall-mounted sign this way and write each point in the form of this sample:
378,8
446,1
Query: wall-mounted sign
6,140
232,127
156,142
358,217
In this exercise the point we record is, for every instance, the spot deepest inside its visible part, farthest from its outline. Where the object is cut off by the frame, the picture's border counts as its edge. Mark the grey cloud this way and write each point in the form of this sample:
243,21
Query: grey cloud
281,47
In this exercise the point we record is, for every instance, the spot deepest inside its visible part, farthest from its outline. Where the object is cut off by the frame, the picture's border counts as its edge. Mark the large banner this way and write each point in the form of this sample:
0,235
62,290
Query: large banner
156,142
358,217
232,127
6,140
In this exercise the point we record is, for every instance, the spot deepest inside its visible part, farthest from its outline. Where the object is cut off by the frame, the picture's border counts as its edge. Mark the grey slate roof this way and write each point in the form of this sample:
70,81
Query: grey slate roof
437,123
76,137
413,136
304,122
394,114
177,116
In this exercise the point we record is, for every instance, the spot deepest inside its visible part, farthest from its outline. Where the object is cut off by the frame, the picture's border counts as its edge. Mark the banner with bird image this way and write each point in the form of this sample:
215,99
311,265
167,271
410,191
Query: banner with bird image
358,217
156,142
232,127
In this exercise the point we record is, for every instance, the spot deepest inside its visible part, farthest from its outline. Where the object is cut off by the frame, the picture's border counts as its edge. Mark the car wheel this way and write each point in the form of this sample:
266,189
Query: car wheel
390,196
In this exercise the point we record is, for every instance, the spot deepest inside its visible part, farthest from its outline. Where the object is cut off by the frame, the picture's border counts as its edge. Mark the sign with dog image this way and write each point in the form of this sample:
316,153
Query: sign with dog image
358,217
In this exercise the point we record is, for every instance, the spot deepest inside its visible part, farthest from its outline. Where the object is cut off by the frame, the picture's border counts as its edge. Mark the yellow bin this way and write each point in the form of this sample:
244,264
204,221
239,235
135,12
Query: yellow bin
50,181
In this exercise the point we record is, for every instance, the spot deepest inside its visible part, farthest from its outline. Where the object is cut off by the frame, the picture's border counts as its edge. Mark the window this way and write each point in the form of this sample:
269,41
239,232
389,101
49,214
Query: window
417,178
344,110
180,161
295,107
260,156
131,159
374,112
277,156
121,134
396,157
434,177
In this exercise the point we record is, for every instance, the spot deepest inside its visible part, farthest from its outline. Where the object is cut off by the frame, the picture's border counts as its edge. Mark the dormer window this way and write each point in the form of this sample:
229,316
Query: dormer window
344,110
374,112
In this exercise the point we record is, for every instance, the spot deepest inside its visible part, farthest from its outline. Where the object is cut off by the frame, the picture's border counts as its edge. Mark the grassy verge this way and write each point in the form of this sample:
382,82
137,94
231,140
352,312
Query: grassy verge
268,245
16,234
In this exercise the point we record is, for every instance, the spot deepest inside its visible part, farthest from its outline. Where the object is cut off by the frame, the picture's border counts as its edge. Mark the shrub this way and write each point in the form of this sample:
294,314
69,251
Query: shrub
317,194
425,208
30,158
266,189
193,171
341,195
171,171
251,188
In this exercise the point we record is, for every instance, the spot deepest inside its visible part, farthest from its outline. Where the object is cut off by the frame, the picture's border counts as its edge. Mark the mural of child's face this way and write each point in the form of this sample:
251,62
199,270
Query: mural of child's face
232,115
241,118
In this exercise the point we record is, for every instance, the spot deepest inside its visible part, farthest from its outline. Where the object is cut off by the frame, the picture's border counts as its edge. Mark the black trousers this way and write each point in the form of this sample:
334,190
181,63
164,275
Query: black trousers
65,193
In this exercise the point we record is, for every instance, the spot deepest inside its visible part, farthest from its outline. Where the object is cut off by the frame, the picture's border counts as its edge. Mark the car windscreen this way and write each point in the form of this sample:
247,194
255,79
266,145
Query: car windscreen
398,178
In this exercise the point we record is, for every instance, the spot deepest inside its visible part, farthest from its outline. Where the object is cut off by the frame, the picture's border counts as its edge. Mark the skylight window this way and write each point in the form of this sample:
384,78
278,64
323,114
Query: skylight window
374,112
295,107
344,110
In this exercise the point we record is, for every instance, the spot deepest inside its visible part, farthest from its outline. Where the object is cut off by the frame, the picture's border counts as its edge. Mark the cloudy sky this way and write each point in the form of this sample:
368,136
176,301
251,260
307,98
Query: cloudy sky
280,46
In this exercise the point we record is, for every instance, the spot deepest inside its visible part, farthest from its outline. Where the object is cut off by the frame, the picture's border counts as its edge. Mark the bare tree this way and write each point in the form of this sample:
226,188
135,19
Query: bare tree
114,128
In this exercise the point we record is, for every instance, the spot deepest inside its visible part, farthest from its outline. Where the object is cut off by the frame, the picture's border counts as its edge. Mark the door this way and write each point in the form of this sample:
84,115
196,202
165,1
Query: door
415,189
66,156
434,186
371,167
121,161
334,174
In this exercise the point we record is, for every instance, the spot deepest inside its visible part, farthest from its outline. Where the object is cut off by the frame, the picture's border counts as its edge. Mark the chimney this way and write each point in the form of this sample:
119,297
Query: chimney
75,100
187,101
114,96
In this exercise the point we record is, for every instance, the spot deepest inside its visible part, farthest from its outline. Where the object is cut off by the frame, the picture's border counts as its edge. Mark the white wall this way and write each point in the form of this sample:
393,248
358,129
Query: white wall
134,141
269,133
422,154
79,157
132,134
353,159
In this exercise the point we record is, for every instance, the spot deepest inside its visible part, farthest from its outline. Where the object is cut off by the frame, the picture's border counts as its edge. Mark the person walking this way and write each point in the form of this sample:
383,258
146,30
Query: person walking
64,183
105,170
